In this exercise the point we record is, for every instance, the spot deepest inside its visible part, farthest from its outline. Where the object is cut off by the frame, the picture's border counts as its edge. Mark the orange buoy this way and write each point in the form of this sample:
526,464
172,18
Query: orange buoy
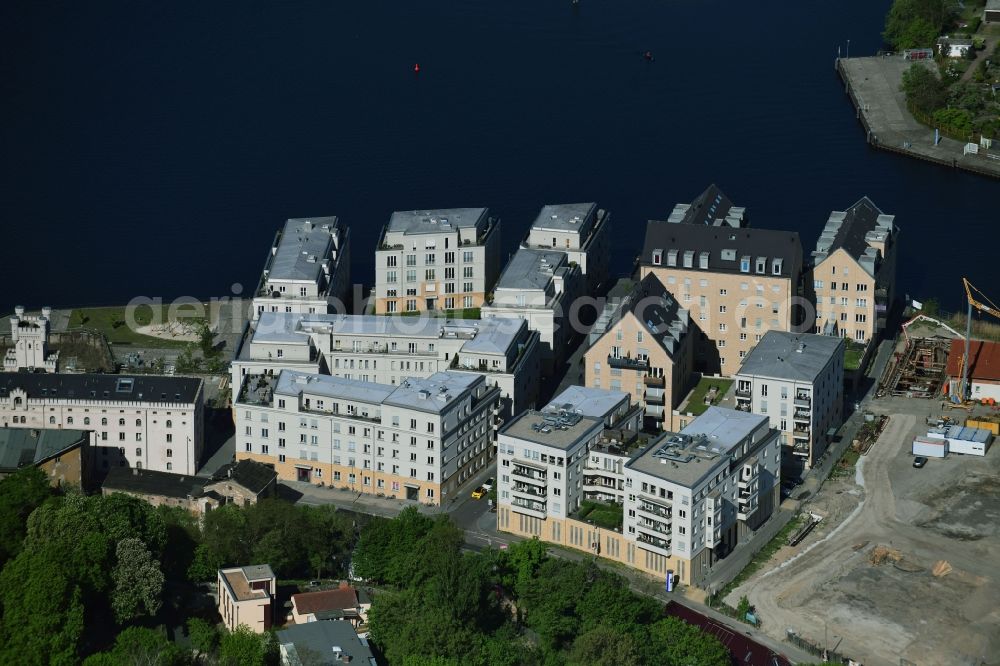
416,68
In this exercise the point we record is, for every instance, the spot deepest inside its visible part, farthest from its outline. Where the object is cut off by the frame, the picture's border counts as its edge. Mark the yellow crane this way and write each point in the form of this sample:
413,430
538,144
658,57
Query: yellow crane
990,308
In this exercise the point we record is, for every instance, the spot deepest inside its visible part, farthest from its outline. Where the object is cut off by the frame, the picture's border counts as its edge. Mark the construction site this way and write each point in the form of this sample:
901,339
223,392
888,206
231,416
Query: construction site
899,566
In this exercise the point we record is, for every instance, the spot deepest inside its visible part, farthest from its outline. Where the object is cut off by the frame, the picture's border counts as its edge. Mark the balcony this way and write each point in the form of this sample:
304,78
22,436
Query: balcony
526,489
625,363
603,482
654,396
658,382
529,507
659,528
712,538
743,393
802,415
801,430
745,509
655,542
532,475
655,509
803,400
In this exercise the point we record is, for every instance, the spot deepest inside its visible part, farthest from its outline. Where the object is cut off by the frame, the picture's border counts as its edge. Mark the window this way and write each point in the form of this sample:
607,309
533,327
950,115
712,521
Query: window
391,277
121,422
657,257
390,261
723,292
467,257
763,390
429,274
138,452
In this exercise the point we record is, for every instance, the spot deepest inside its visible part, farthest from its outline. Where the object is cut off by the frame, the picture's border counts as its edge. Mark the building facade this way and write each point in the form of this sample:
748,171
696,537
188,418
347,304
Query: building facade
308,269
645,348
419,440
797,381
387,350
737,283
63,455
583,232
30,336
540,287
854,272
246,597
430,260
689,497
144,421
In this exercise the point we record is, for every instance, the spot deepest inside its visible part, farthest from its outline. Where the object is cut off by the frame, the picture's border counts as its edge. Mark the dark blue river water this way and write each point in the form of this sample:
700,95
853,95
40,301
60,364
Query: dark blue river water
152,148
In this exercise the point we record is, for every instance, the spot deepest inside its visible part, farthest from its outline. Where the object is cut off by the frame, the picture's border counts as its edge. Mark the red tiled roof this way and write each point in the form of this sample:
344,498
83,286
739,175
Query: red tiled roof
743,650
316,602
985,359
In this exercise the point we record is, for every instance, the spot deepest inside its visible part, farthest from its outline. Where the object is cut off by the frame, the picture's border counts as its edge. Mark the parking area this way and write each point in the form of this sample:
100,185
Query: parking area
903,564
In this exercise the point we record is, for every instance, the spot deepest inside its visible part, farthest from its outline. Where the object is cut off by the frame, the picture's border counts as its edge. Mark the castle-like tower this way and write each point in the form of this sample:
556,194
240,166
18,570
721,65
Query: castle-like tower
30,334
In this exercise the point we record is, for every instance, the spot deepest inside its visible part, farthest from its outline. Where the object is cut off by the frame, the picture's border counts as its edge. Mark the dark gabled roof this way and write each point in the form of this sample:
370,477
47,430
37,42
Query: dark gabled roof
744,242
138,388
710,206
663,317
743,650
20,447
150,482
320,639
858,220
252,475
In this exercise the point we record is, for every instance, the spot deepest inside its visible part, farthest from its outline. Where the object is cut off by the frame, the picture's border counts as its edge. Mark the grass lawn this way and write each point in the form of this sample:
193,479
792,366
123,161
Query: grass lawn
114,323
696,403
845,466
608,516
852,356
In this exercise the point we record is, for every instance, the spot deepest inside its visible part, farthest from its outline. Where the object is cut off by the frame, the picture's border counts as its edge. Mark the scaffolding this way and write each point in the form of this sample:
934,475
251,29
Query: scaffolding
919,370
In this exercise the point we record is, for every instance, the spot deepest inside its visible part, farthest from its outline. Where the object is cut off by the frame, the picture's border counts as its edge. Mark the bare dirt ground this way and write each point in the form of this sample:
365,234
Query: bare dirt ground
828,590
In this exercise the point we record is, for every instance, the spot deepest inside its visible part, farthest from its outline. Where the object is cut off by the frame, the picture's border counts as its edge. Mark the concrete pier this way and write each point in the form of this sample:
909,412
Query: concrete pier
873,86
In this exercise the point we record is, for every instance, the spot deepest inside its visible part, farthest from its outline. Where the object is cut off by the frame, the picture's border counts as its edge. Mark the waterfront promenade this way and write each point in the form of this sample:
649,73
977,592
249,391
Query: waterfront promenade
872,83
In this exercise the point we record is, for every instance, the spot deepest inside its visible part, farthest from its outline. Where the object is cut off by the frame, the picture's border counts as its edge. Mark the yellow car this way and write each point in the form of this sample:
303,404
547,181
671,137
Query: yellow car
479,493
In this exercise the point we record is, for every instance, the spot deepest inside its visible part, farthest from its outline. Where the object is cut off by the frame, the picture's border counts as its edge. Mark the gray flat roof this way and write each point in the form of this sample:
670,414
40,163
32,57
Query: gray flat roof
530,269
257,571
792,356
303,246
493,332
433,393
295,383
565,217
20,447
593,402
557,438
496,338
435,221
134,388
687,457
318,640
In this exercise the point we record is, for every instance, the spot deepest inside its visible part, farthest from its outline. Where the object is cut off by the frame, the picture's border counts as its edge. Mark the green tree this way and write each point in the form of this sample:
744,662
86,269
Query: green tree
243,647
138,646
549,601
743,607
673,642
915,23
605,645
20,493
204,636
519,563
138,581
923,89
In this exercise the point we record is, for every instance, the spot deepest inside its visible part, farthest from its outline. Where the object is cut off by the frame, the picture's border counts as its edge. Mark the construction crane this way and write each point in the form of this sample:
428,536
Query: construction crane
990,308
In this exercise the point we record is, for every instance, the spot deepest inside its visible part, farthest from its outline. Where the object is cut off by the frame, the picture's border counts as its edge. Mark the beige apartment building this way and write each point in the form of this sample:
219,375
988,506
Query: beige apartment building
645,349
430,260
854,273
737,283
246,596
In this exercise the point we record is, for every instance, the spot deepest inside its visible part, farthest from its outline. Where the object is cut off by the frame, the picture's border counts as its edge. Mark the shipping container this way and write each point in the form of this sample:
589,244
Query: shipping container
931,448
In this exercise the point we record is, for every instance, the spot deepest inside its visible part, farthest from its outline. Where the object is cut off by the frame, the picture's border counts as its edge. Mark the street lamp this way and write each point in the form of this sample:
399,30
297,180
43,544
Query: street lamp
848,48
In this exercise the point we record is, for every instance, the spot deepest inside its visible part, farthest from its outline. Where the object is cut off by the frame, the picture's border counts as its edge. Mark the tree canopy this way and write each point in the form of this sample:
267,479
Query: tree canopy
912,24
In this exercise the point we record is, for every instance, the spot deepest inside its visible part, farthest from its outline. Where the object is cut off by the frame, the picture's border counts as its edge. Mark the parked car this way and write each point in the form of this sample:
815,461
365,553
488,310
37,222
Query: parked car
919,461
479,493
489,484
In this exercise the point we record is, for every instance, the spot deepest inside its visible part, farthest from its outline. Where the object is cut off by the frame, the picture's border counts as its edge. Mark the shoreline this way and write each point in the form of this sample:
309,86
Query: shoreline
890,127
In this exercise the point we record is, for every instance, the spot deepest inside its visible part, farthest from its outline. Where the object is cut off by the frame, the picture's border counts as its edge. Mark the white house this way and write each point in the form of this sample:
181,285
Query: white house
143,421
797,381
30,335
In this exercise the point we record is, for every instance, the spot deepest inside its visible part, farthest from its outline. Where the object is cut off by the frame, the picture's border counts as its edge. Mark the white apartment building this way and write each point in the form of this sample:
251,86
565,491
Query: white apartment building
688,498
698,493
539,286
541,456
583,232
144,421
419,440
388,349
30,335
431,260
797,381
308,268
